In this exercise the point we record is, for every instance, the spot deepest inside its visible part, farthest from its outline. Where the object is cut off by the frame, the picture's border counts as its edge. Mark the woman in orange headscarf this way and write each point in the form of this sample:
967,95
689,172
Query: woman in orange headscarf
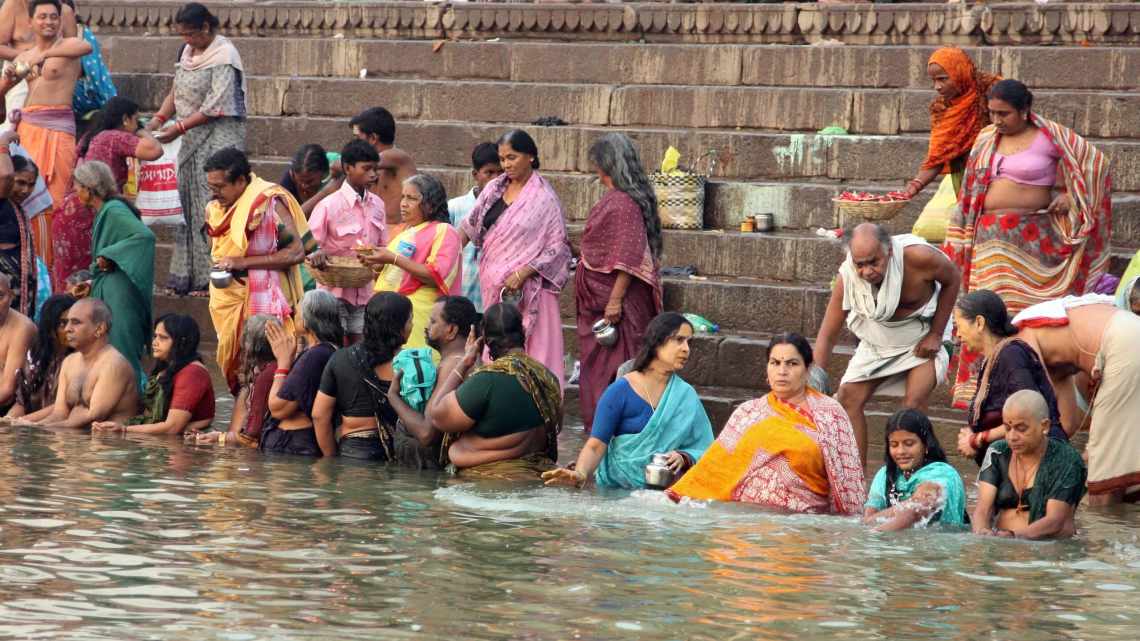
956,116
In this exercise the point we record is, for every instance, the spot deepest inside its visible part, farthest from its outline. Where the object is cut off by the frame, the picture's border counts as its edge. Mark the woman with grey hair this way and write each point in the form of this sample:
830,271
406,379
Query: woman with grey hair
618,278
251,394
122,249
296,381
423,262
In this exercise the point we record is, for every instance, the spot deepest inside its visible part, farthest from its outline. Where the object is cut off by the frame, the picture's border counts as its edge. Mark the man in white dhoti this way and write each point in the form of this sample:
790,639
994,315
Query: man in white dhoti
896,295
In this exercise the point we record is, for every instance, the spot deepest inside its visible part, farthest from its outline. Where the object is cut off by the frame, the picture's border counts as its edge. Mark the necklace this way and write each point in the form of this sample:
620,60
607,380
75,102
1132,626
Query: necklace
1021,478
646,395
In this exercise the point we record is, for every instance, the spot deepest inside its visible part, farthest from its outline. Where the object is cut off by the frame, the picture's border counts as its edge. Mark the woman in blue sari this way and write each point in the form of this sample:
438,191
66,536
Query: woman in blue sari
650,410
916,484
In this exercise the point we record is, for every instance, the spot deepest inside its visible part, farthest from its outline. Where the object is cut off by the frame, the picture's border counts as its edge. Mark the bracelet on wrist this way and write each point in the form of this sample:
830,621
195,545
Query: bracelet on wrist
282,370
159,118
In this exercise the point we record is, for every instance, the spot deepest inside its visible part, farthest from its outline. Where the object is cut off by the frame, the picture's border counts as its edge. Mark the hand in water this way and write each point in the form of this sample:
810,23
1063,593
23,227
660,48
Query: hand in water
563,476
107,426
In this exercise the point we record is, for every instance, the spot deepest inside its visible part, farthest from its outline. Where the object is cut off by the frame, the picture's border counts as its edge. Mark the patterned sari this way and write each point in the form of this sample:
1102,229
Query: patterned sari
1028,258
776,455
437,248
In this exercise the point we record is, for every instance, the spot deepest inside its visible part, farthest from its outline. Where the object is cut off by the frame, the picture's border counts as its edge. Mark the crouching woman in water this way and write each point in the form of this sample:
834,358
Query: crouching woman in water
916,483
508,413
651,410
1031,483
351,414
179,395
793,449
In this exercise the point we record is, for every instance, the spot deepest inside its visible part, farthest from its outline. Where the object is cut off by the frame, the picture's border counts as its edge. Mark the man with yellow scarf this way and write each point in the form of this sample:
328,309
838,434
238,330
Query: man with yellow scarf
259,235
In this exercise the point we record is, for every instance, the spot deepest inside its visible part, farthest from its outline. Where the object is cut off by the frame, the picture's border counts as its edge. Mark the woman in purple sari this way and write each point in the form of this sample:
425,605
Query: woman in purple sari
618,276
519,228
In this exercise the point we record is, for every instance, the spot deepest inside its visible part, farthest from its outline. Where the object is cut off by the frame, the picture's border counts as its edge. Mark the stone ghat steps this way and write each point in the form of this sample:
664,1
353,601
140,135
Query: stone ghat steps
751,65
858,110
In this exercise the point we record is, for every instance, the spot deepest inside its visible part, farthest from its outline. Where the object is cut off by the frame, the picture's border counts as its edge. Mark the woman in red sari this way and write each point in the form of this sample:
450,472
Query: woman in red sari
114,138
618,277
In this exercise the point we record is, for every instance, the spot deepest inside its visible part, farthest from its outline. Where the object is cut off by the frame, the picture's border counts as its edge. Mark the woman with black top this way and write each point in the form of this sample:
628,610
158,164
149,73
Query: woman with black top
351,414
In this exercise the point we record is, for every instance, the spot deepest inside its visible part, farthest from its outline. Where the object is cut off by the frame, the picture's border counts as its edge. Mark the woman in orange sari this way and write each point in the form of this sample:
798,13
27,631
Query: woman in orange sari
793,449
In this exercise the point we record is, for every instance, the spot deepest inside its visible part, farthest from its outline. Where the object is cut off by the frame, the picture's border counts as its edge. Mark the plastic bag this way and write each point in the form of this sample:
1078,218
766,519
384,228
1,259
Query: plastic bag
932,222
158,199
702,325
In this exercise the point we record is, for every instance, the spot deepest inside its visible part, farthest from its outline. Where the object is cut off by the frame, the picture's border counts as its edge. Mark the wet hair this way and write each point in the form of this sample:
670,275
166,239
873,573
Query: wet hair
196,15
485,153
23,163
35,3
385,317
96,177
44,348
231,160
110,118
320,311
185,337
255,348
459,311
310,158
434,203
990,306
503,329
358,151
1013,92
663,327
521,142
615,155
795,340
915,422
378,122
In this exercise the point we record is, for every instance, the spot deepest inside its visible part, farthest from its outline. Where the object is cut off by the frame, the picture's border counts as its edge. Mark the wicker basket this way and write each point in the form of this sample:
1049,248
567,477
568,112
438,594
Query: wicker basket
680,200
344,271
868,209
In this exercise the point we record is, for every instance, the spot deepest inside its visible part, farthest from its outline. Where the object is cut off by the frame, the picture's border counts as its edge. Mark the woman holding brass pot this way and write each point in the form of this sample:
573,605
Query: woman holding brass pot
618,278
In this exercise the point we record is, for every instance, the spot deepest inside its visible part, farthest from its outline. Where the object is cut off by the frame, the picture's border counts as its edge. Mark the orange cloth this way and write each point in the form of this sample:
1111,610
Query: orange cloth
954,125
55,154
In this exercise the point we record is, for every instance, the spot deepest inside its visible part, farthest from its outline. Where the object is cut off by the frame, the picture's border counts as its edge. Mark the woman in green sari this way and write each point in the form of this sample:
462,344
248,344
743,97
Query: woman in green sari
650,410
122,248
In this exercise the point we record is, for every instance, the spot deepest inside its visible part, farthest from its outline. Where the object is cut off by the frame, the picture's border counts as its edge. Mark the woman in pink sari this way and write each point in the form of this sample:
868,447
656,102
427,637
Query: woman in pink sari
618,277
518,226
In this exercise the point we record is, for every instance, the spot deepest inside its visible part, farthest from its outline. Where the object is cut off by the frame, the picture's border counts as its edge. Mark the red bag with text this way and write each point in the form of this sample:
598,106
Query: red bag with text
157,199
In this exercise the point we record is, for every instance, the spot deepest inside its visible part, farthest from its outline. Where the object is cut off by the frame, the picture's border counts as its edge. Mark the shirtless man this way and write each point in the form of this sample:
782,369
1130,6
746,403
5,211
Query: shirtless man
17,333
896,295
95,382
16,37
1091,336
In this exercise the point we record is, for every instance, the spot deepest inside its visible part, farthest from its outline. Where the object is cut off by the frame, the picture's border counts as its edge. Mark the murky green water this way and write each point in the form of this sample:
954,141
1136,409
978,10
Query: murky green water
103,537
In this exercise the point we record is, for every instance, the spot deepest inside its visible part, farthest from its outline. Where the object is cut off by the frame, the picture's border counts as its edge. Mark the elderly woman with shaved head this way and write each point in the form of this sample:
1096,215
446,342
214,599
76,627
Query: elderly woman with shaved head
1029,485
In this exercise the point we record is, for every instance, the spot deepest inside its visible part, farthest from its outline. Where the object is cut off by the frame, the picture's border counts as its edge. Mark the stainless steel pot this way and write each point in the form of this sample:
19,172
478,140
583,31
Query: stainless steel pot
765,222
605,334
511,297
221,278
658,476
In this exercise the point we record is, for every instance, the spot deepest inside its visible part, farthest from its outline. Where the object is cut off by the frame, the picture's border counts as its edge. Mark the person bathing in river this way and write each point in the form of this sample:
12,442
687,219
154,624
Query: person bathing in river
508,413
1029,485
17,335
179,395
896,295
39,376
651,410
251,393
916,484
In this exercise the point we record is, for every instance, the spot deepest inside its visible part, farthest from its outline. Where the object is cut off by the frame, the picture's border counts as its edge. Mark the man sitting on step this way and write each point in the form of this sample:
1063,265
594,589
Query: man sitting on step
95,382
896,295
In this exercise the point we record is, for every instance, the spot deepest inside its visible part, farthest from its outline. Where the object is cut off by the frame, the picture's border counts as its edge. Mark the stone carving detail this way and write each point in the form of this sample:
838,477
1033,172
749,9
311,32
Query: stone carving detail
964,23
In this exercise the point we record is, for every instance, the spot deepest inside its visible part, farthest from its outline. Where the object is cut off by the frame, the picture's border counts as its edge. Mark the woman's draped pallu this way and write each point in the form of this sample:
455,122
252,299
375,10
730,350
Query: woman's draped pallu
19,262
250,228
128,289
614,241
955,124
437,248
776,455
953,509
678,424
531,232
48,133
1028,258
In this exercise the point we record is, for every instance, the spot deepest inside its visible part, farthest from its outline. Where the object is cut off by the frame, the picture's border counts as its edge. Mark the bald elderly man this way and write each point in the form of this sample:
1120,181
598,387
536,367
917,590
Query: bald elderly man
1029,485
896,295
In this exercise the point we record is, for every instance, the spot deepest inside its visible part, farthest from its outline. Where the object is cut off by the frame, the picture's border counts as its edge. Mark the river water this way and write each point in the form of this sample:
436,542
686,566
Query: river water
107,537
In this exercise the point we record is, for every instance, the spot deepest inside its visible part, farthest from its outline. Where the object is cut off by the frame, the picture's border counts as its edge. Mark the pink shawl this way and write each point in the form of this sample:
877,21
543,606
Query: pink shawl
530,233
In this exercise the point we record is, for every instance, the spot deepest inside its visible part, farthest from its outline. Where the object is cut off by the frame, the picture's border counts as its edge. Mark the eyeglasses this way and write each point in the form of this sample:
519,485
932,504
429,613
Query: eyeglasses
187,34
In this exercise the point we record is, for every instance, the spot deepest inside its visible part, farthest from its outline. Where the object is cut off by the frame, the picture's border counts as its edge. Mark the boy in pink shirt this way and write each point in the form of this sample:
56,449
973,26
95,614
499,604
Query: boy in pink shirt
344,220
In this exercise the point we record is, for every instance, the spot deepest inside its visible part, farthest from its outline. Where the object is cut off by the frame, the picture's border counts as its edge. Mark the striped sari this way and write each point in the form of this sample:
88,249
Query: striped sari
437,248
1028,258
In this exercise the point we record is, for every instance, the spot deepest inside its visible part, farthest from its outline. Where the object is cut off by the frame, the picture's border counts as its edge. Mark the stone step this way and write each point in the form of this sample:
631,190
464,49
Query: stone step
862,111
885,67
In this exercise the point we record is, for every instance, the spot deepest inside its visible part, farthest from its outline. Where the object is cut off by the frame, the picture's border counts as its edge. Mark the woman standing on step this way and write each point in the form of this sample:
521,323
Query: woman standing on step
207,103
618,278
1035,213
520,231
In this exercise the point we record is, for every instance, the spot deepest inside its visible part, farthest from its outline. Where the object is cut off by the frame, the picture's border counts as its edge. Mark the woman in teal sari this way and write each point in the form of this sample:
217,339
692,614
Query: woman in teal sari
123,251
649,411
916,484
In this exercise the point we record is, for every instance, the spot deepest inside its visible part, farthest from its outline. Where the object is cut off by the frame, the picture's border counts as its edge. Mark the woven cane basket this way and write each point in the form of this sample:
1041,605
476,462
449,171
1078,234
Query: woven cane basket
868,209
680,200
343,271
